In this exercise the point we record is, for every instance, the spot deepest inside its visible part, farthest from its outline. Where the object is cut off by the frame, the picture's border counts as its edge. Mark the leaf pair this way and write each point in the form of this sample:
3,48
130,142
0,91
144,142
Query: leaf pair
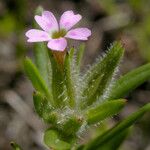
98,78
98,84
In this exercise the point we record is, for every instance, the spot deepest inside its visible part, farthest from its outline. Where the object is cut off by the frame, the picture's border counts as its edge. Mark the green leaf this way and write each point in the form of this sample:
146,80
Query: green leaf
69,80
15,146
41,55
98,79
52,140
42,62
71,125
79,56
36,79
43,108
105,110
120,127
58,89
130,81
115,142
71,54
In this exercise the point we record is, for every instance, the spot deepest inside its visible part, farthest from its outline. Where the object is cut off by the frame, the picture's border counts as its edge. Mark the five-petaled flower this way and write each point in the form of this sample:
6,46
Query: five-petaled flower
55,33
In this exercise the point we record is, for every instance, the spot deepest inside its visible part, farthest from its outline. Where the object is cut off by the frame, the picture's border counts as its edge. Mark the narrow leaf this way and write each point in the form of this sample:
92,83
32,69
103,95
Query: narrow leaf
123,125
57,77
112,144
42,62
41,56
98,78
36,79
71,54
43,108
130,81
105,110
115,142
79,56
52,140
69,81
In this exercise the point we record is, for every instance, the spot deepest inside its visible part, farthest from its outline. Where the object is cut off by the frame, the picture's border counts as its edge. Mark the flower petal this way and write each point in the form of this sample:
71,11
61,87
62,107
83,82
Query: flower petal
47,21
35,35
79,33
69,19
57,44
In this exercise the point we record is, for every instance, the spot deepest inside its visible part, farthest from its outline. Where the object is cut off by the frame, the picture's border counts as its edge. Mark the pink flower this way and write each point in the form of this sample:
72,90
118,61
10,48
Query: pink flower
55,33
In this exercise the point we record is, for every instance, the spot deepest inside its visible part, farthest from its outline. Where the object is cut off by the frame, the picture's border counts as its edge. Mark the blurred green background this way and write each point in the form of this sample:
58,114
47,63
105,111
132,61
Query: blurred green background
109,20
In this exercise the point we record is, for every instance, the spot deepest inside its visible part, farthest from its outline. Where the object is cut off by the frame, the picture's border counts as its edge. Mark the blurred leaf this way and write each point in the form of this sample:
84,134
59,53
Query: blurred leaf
109,6
81,147
98,79
69,80
53,141
105,110
115,142
15,146
7,25
141,33
36,79
130,81
120,127
42,62
20,13
136,5
71,54
41,55
43,108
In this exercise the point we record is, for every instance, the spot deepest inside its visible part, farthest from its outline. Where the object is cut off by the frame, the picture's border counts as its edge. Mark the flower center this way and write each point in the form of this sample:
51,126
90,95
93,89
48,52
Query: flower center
58,34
